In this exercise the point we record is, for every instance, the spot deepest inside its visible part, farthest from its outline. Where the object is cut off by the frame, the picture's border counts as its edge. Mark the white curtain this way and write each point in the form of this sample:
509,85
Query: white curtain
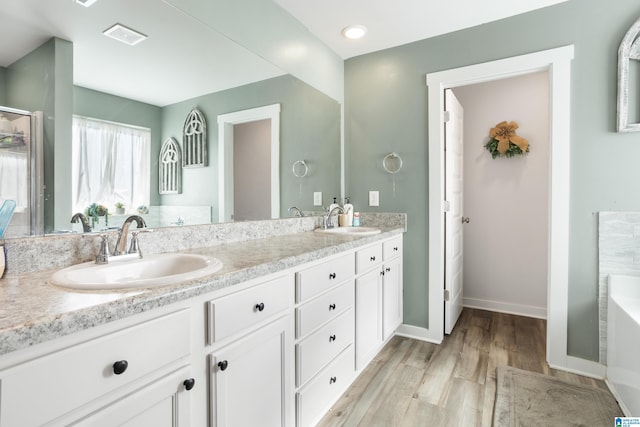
110,164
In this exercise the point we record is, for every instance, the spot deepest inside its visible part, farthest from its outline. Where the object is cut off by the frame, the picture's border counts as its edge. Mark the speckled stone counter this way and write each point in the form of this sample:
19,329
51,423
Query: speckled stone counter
33,311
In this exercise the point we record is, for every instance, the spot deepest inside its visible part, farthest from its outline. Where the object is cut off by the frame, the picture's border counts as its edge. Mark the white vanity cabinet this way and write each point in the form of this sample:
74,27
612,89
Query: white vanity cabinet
392,290
378,297
325,335
141,372
251,359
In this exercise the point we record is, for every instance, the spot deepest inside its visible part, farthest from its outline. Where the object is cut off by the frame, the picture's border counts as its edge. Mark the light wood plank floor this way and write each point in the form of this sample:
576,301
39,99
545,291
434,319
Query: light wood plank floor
414,383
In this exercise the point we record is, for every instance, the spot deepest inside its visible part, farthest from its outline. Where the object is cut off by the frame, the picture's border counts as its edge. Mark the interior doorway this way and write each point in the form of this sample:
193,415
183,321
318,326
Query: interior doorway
558,63
243,172
505,200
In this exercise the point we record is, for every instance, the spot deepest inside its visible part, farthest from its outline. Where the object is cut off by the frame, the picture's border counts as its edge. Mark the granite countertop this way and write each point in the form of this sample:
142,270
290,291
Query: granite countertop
34,311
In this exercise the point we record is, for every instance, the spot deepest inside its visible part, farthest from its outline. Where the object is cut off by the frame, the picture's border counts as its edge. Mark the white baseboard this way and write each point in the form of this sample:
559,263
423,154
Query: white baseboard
505,307
418,333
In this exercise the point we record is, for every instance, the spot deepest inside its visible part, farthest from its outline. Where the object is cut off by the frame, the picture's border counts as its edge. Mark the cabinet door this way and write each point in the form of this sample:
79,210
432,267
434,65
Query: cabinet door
165,402
369,337
251,379
392,296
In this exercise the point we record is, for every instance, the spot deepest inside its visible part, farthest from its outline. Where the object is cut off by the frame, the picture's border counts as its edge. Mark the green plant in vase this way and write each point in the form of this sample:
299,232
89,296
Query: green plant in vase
94,211
120,208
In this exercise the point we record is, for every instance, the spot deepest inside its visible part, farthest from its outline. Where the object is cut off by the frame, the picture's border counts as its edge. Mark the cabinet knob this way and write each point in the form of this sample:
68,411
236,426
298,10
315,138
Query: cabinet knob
395,249
332,307
260,306
332,380
189,383
388,269
382,272
373,258
332,275
120,366
332,338
223,365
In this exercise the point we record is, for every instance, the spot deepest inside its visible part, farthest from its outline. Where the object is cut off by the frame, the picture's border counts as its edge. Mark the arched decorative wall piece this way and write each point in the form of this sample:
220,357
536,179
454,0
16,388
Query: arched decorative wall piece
170,168
194,140
629,51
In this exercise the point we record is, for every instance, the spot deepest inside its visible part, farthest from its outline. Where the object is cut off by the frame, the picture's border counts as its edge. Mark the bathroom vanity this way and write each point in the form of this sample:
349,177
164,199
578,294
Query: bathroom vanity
273,338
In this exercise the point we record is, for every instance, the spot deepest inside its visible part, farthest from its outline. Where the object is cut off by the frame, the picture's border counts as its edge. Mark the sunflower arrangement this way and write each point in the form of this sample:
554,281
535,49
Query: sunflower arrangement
504,142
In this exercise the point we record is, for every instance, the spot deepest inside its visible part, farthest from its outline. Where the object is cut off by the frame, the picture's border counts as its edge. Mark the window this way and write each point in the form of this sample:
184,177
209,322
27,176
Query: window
110,164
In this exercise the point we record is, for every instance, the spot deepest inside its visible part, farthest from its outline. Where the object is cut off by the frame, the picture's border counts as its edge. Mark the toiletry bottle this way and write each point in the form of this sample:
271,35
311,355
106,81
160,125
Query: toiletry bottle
356,219
348,209
333,205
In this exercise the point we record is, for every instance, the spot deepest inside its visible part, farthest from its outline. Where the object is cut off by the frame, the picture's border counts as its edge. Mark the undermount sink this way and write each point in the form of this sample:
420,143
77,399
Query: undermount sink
150,271
349,231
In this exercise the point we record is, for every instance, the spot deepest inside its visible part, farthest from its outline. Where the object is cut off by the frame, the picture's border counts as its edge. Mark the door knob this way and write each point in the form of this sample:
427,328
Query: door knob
465,220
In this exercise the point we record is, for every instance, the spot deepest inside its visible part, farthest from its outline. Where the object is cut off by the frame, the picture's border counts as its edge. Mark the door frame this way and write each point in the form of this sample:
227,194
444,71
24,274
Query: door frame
558,64
225,156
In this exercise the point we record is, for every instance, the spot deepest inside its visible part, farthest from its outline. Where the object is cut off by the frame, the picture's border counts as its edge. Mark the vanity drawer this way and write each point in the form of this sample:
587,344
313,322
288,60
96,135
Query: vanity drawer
324,308
67,379
242,310
314,280
323,390
318,349
368,258
392,248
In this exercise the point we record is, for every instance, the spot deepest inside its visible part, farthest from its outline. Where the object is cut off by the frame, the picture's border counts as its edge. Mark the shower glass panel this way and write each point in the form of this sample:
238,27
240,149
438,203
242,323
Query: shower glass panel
21,170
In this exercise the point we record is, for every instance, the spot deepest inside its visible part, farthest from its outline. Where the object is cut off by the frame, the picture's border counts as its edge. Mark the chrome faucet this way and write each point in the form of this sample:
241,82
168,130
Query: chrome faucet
85,224
326,220
121,243
297,211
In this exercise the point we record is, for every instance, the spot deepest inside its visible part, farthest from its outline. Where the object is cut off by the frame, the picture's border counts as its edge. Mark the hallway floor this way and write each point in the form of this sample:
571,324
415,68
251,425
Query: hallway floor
415,383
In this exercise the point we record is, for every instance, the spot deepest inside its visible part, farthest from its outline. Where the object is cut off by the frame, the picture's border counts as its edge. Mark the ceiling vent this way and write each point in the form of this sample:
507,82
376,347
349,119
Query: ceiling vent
86,3
123,34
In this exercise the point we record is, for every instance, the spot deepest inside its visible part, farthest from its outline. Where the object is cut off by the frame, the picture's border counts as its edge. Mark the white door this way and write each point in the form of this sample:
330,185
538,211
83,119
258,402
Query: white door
453,216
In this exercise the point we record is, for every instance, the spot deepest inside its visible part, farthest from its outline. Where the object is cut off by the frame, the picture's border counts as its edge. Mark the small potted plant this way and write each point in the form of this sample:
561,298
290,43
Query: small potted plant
95,211
119,208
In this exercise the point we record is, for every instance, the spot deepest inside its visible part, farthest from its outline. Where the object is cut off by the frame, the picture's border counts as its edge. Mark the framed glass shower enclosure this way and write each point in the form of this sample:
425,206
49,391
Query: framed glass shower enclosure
21,170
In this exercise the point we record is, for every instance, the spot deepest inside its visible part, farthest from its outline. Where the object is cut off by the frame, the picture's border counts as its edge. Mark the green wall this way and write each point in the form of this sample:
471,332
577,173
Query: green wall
309,130
3,87
386,110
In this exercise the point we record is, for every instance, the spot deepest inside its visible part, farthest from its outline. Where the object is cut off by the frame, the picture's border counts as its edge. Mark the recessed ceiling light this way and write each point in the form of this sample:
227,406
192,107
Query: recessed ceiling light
86,3
354,31
123,34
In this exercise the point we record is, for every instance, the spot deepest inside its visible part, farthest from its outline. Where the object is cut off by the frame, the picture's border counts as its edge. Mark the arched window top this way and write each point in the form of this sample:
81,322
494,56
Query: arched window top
628,51
194,140
170,168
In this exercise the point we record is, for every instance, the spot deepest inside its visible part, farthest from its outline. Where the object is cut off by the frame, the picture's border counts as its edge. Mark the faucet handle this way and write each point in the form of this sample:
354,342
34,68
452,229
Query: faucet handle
103,252
134,248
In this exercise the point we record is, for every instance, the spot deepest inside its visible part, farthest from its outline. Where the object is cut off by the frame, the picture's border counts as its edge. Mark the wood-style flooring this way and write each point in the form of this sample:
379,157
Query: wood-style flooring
415,383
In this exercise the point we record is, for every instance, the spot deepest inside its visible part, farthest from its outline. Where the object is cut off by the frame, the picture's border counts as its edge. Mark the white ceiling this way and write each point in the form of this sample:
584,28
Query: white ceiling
182,58
396,22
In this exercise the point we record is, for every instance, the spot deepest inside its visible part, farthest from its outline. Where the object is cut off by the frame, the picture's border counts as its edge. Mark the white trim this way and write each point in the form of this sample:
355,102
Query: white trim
509,308
416,333
225,156
616,395
558,63
583,367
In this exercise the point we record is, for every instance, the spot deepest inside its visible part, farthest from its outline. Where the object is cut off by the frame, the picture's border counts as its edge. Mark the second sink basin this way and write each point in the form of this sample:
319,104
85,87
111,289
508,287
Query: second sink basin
349,231
150,271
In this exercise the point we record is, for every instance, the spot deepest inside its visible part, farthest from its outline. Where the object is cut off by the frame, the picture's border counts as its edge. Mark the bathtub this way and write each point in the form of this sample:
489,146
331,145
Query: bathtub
623,342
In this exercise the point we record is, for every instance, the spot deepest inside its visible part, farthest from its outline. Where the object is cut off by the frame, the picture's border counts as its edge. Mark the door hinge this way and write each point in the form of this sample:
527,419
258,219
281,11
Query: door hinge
446,206
446,295
446,116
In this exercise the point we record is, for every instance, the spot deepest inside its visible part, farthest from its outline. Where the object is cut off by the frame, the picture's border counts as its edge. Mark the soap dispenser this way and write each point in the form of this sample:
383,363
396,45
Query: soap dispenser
333,205
348,209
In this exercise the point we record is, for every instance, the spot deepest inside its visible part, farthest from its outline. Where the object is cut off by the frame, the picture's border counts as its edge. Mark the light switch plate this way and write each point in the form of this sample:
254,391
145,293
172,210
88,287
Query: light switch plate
374,198
317,198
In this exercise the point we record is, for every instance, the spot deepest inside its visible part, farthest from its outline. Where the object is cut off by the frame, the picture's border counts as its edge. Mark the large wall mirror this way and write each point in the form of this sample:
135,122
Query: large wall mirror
55,58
